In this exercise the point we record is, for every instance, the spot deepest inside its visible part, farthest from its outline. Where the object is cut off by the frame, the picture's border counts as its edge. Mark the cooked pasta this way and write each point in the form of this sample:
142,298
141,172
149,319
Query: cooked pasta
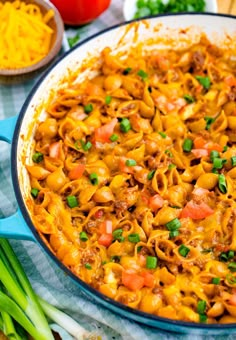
133,181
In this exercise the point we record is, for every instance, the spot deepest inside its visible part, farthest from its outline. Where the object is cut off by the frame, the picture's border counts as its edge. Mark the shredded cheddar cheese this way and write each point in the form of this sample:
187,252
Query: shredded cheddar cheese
25,36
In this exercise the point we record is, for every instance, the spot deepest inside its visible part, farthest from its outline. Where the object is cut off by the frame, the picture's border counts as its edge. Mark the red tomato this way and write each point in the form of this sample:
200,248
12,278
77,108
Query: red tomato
103,133
105,240
76,172
149,279
230,80
155,202
54,150
196,211
105,227
198,153
132,281
80,12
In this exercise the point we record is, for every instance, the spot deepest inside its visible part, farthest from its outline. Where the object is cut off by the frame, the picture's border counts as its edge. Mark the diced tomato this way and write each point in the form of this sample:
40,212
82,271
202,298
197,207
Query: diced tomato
103,133
232,300
98,213
54,150
155,202
76,172
148,279
132,281
198,153
124,167
106,227
213,146
199,142
230,80
163,62
105,240
196,211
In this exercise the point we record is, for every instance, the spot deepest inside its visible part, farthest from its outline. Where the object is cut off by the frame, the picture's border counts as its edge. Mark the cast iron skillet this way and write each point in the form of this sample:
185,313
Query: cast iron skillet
20,226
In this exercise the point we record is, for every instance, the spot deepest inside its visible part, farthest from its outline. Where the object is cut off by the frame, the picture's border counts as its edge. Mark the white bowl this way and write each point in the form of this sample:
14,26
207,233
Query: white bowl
129,8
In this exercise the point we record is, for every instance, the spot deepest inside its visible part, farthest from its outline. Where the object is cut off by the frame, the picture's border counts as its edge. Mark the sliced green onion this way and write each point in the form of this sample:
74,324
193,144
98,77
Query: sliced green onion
151,262
189,99
174,233
134,238
232,266
88,266
142,74
209,121
225,148
114,137
214,171
162,134
204,81
183,250
130,162
171,166
216,280
222,184
169,153
139,248
85,146
214,154
151,174
108,99
223,257
117,234
231,279
83,236
125,125
218,163
88,108
174,224
207,250
230,254
34,192
233,160
93,178
201,307
202,318
187,145
72,201
72,41
37,157
127,71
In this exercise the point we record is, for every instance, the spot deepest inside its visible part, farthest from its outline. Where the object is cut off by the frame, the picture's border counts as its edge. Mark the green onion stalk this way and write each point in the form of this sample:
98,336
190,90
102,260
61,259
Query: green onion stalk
21,310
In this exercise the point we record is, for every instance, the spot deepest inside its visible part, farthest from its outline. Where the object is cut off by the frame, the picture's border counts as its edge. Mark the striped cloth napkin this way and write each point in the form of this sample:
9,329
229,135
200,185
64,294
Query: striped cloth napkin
49,281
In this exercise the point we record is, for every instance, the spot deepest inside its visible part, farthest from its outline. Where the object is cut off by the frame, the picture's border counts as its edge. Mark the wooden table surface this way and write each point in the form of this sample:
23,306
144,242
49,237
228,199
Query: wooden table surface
227,6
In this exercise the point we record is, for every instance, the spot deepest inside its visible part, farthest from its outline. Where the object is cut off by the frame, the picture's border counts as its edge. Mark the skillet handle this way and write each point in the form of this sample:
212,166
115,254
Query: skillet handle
13,226
7,127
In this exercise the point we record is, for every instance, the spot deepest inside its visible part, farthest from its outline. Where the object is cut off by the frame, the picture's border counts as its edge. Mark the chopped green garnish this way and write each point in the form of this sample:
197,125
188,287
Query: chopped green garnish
117,234
125,125
142,74
37,157
171,166
114,137
174,224
202,318
151,174
72,201
93,178
108,99
162,134
88,266
232,266
134,238
226,256
169,153
218,163
204,81
231,279
88,108
72,41
187,145
183,250
83,236
222,183
151,262
139,248
127,71
85,146
216,280
130,162
225,148
207,250
34,192
189,99
174,233
233,160
214,154
201,307
209,121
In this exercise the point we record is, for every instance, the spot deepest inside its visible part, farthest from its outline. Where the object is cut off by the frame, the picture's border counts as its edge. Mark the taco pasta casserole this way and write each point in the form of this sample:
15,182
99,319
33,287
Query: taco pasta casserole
133,181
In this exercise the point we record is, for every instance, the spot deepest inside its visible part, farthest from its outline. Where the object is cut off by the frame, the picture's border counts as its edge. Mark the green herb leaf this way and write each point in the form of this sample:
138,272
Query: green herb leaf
204,81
